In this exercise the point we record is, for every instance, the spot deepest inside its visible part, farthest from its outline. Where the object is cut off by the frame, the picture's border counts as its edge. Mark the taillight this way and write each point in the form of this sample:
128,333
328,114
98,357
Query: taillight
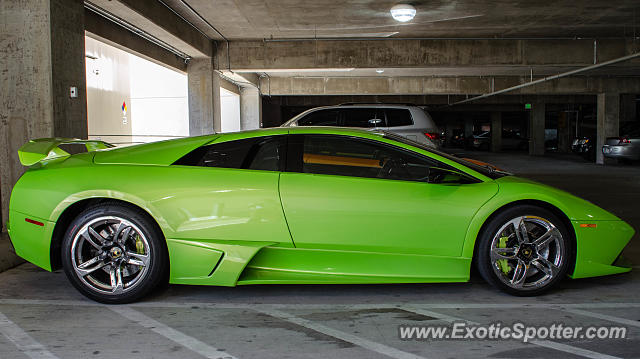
432,135
624,140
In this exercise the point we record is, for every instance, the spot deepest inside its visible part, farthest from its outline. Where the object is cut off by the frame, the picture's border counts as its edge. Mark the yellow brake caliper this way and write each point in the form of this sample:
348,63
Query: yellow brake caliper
503,264
139,246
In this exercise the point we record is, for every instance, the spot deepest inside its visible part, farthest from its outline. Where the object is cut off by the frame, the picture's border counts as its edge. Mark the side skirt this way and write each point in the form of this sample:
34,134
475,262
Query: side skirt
308,266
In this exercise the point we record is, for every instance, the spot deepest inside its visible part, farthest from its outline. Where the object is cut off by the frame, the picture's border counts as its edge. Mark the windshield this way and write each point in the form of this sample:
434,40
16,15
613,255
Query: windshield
485,170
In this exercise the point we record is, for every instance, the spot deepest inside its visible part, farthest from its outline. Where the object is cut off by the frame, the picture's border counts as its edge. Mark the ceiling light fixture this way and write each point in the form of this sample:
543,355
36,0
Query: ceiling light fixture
403,12
379,71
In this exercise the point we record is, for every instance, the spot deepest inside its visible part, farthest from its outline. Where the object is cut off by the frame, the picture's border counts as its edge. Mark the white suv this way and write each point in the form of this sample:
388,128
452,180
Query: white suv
409,121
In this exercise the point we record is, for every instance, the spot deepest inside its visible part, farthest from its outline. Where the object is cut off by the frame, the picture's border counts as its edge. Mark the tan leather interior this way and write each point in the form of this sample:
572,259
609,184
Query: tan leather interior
340,161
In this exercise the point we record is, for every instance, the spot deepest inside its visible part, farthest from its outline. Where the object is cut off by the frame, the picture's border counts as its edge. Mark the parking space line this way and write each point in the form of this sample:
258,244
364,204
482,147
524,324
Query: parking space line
560,306
610,318
572,350
23,341
543,343
172,334
361,342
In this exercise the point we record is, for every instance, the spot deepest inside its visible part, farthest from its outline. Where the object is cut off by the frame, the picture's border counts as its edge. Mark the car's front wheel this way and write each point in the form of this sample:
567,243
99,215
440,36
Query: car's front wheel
114,253
524,250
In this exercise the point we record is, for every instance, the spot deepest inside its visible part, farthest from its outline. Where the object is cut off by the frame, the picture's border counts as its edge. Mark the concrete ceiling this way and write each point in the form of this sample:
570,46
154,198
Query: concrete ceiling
258,19
521,71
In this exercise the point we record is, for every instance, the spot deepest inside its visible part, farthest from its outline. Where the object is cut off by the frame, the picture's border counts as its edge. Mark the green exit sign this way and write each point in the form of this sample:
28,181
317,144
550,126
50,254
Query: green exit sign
527,106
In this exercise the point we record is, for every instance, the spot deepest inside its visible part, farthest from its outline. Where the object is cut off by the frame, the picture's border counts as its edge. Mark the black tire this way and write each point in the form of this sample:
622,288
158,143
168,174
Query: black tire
491,273
156,265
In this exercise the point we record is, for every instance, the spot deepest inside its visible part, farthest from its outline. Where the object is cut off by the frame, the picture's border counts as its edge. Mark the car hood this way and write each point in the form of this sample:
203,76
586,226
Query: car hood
513,188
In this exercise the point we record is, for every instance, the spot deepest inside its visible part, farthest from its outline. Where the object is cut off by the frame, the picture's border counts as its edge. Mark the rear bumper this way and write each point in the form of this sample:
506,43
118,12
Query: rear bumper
31,242
614,151
598,248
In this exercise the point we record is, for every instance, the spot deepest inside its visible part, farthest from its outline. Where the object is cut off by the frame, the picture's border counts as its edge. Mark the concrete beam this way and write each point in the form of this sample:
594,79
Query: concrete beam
256,56
608,121
106,31
245,79
161,22
278,86
437,102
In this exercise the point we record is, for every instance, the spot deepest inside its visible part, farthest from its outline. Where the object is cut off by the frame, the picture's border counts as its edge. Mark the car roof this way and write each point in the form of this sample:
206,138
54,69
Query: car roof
348,131
364,105
348,106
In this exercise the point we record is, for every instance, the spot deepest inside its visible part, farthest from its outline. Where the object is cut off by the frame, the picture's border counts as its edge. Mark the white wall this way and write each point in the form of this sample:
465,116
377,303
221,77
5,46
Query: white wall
230,111
108,85
159,105
155,96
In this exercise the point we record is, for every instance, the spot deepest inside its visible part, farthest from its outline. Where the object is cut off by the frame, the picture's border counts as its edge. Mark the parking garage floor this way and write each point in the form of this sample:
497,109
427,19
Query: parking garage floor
43,316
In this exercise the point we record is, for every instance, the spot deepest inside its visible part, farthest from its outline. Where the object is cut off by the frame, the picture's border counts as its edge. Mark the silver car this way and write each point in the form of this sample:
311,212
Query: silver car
409,121
625,147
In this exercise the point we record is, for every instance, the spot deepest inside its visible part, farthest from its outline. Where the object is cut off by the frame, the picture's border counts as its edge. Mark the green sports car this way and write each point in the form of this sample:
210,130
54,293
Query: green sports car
296,205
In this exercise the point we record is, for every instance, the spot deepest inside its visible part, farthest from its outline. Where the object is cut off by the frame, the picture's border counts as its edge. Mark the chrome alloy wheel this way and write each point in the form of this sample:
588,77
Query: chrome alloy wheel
527,252
110,254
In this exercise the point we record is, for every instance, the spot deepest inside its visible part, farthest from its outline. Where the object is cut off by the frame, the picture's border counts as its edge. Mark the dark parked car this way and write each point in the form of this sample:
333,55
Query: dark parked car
511,140
585,147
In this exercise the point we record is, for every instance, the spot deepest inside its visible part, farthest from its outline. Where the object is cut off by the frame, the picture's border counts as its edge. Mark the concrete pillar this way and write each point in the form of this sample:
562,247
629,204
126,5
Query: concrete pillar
468,130
43,56
448,132
496,131
468,127
203,96
564,131
536,129
608,121
250,108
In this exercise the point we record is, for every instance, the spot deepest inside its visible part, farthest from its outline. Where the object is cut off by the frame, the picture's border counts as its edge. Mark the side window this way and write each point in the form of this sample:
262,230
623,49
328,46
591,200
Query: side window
320,118
260,153
348,156
268,154
398,117
362,117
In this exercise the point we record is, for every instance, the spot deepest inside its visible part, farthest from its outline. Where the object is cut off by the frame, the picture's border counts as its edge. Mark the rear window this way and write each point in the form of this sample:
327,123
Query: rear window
398,117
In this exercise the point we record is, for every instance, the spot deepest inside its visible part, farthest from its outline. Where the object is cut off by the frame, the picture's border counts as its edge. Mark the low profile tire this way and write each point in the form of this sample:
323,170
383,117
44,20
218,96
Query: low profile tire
114,253
524,250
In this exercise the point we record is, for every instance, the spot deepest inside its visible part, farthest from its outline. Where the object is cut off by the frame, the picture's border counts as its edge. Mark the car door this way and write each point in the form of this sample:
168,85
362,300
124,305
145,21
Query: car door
351,194
227,191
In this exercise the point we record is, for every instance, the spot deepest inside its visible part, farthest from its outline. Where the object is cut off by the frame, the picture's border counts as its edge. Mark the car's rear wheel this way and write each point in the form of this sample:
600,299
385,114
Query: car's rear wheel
524,250
114,253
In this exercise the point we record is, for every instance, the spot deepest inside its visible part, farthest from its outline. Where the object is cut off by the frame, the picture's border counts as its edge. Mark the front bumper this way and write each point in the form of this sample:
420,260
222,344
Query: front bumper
597,248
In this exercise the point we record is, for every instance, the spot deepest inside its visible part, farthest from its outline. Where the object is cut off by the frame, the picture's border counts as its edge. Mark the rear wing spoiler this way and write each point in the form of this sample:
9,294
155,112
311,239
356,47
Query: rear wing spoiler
41,149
